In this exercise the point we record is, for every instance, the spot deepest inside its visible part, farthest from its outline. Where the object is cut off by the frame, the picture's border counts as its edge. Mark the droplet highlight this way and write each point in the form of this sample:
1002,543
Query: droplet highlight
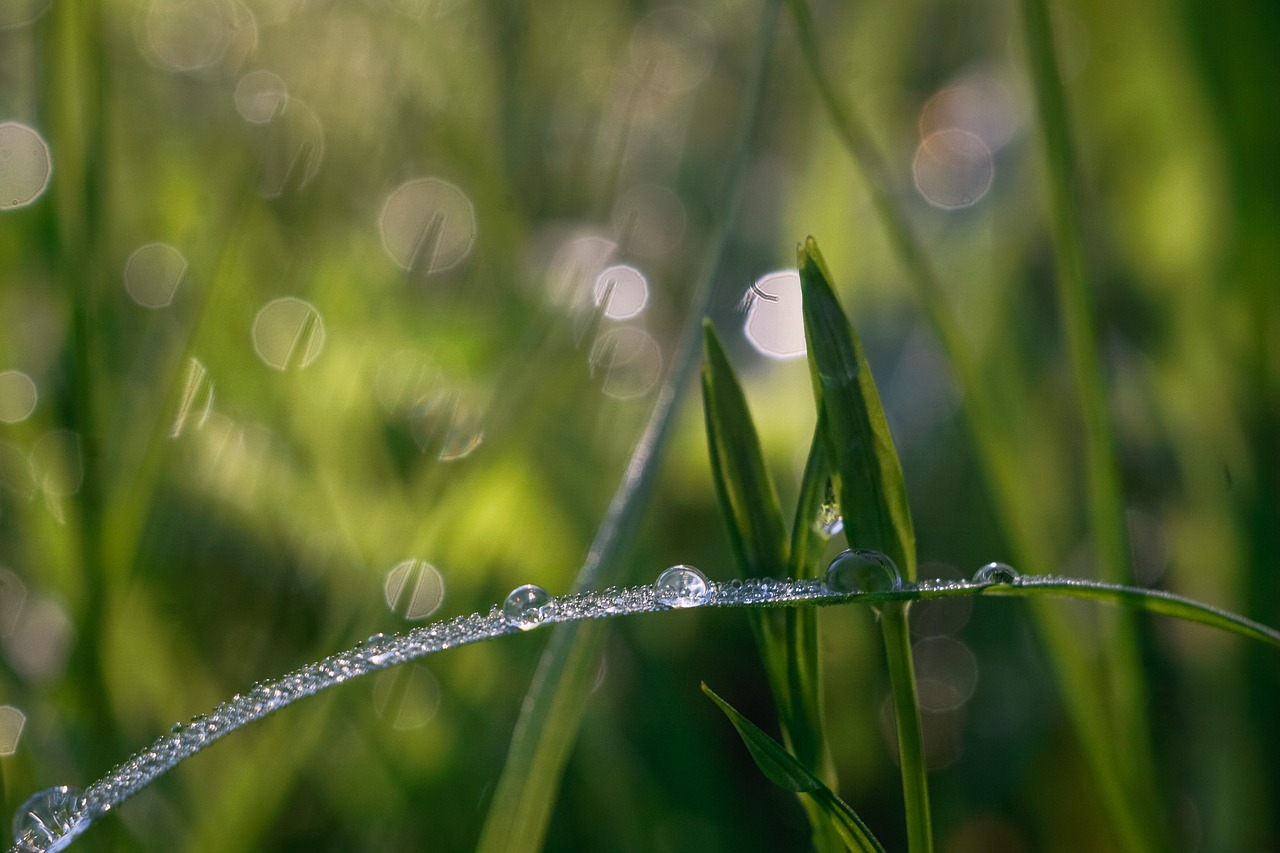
288,333
427,225
414,589
993,573
775,315
864,571
527,607
682,586
49,820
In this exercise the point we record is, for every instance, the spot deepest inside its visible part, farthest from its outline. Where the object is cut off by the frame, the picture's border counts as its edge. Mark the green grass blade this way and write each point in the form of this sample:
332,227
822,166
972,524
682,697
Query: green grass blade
549,719
872,492
874,499
786,771
746,492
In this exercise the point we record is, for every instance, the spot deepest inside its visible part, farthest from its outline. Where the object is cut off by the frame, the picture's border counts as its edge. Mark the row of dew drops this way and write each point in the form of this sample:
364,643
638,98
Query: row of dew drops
49,820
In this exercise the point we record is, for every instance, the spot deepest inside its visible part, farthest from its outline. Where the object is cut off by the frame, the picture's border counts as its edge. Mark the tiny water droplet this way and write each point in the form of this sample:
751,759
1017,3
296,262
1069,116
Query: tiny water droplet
996,573
681,586
526,607
862,571
48,821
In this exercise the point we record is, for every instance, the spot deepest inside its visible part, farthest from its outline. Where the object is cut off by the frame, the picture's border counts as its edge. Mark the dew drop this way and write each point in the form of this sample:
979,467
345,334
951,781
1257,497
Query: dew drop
681,586
862,571
996,573
527,606
49,820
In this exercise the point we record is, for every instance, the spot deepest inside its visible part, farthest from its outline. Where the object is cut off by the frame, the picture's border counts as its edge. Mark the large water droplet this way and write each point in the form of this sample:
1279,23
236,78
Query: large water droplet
681,586
48,821
527,606
862,571
996,573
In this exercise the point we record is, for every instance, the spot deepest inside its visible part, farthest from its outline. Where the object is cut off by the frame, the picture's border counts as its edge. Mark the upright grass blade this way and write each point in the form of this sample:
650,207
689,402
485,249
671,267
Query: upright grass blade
1105,501
788,773
873,497
549,718
788,638
1025,527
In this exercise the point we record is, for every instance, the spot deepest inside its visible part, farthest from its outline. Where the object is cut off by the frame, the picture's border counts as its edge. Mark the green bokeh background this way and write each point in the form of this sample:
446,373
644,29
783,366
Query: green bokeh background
158,574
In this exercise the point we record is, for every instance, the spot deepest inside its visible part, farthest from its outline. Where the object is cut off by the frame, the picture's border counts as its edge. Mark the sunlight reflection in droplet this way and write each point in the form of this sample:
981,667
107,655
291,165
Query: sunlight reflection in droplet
775,315
19,13
953,169
628,361
295,149
288,333
57,464
428,225
407,696
414,589
13,595
11,722
25,165
196,401
18,396
672,50
261,96
622,291
38,646
649,221
153,273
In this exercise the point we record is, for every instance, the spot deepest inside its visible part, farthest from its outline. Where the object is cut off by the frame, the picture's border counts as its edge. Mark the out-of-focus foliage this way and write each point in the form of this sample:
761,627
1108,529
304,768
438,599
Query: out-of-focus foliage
312,290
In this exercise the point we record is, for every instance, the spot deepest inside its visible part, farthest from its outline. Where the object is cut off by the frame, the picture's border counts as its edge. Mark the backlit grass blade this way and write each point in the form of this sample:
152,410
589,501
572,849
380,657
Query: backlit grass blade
872,492
786,771
747,495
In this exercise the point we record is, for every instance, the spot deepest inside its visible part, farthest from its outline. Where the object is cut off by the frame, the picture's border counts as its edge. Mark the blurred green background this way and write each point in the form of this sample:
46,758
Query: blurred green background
297,344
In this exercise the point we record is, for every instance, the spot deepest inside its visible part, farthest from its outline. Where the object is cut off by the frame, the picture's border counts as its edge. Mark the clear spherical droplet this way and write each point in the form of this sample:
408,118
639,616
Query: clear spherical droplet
48,821
862,571
527,606
681,586
996,573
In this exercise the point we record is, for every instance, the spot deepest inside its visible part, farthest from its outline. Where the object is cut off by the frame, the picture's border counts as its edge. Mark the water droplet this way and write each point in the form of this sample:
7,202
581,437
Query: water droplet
830,521
622,291
862,571
681,586
25,165
996,573
288,333
48,821
527,606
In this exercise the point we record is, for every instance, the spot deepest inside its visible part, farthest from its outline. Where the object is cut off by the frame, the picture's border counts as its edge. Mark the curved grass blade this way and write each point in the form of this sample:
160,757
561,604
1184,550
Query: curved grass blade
786,771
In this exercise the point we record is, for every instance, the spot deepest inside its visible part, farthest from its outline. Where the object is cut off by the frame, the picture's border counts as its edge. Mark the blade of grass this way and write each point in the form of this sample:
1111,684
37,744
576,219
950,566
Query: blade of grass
874,499
1024,526
549,718
788,773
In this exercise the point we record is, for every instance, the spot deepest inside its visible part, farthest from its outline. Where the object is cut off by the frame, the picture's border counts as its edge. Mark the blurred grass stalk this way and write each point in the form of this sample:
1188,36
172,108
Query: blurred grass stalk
1124,776
550,716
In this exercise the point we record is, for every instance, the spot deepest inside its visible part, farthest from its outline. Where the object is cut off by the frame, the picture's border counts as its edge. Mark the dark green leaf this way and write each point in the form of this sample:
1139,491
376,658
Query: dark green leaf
785,771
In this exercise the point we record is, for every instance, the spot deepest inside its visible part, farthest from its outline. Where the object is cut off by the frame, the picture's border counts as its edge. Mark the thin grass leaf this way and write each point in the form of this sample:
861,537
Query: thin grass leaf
872,491
746,492
786,771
